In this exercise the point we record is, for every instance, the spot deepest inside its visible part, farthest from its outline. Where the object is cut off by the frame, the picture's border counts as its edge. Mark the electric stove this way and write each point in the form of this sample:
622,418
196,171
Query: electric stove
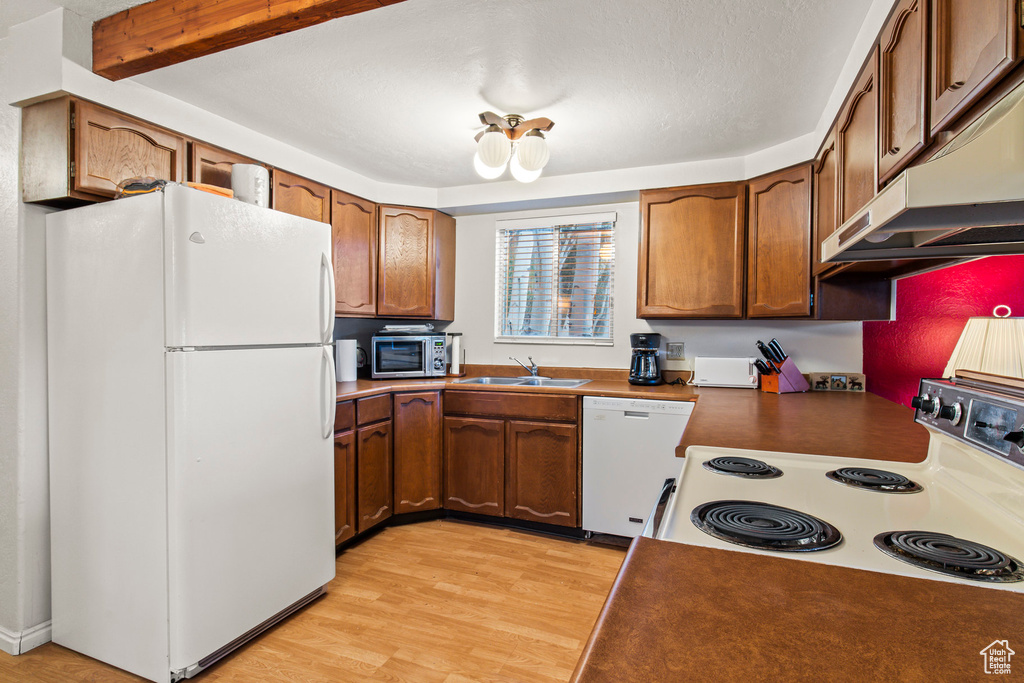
958,516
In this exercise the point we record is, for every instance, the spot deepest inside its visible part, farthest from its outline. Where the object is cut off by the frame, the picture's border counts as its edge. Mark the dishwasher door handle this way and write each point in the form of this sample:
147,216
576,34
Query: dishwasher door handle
658,511
636,414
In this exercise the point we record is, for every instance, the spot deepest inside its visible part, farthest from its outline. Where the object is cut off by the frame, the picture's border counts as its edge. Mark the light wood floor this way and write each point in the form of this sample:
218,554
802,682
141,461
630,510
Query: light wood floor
439,601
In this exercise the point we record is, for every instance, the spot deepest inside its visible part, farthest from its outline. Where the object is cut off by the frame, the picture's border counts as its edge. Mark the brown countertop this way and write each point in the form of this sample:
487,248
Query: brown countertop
685,613
844,424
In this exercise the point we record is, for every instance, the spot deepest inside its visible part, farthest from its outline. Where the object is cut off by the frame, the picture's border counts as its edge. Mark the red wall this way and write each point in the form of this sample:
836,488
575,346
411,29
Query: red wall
931,310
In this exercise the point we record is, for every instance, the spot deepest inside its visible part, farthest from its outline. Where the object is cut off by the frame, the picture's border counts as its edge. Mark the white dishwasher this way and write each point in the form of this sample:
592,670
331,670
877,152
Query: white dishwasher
628,452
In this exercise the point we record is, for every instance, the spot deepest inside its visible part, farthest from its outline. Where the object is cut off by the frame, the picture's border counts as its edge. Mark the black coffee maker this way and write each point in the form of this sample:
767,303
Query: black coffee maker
643,366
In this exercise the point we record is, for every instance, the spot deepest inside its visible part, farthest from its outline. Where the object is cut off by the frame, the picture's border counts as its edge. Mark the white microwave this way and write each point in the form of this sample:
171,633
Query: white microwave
396,356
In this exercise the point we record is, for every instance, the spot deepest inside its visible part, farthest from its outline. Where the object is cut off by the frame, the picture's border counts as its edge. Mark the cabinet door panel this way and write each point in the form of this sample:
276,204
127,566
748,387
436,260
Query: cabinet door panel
474,455
540,477
692,242
823,211
406,263
111,147
779,224
417,451
973,45
373,473
354,232
344,486
212,165
300,196
902,87
856,143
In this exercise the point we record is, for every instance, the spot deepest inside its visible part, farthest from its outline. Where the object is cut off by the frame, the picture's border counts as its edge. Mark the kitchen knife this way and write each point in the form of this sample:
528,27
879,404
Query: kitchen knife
765,351
776,347
762,367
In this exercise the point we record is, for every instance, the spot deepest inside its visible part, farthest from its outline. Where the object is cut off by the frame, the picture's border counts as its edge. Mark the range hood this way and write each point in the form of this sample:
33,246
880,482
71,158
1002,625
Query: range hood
966,201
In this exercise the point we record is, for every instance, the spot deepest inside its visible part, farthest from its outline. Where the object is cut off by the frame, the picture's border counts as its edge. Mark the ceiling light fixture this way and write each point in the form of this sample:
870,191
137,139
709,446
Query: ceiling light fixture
510,140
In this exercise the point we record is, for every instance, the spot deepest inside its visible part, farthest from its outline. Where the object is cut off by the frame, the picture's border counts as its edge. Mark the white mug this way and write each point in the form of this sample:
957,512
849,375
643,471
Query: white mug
251,184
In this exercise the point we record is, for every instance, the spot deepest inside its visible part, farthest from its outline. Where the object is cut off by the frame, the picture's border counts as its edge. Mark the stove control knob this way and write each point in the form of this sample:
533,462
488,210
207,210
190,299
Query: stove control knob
952,413
926,404
1016,438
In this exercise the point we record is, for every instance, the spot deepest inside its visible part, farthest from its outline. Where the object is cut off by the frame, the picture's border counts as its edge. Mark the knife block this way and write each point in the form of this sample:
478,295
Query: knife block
789,380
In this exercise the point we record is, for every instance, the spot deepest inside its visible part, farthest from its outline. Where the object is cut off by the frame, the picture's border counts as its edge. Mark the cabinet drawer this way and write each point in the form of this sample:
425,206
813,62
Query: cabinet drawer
373,409
344,416
508,404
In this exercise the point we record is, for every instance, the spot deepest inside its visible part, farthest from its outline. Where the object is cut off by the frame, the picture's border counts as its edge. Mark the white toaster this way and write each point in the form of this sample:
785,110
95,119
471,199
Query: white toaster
739,373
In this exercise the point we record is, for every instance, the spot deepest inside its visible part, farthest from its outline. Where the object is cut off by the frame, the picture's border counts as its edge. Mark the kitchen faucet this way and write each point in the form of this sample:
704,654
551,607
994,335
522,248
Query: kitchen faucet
533,366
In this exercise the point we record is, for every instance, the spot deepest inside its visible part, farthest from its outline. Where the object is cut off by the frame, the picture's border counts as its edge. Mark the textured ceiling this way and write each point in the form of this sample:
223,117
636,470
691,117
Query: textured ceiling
394,93
16,11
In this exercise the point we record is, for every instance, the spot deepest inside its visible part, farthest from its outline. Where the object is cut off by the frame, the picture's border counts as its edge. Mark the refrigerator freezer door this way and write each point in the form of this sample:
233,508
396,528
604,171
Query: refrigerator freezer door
242,275
250,489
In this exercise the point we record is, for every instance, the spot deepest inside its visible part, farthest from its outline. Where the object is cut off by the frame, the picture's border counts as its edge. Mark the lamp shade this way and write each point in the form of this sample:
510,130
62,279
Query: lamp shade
532,151
520,173
494,148
990,344
486,172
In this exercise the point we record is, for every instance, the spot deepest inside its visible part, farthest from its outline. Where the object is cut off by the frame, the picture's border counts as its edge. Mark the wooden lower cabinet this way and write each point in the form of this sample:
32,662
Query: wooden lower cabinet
474,457
541,466
344,486
417,427
373,475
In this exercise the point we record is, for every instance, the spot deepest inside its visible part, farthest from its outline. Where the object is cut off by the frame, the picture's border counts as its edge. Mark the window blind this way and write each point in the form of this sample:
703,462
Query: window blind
555,279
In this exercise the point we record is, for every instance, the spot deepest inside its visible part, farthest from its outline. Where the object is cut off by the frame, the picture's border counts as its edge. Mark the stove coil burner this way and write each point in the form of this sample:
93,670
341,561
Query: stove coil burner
764,526
742,467
873,480
950,555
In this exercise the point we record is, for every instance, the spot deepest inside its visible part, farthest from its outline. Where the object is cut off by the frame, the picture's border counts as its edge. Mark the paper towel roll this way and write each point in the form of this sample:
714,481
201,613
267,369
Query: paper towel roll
345,359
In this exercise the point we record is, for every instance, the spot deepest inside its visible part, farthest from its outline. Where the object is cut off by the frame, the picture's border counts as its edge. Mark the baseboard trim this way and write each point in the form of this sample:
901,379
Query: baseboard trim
19,642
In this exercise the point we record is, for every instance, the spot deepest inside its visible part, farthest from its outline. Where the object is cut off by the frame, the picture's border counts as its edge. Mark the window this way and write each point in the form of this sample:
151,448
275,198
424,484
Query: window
554,279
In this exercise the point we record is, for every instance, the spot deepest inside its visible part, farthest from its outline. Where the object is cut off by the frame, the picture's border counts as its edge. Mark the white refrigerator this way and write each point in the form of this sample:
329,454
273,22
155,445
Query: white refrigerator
191,408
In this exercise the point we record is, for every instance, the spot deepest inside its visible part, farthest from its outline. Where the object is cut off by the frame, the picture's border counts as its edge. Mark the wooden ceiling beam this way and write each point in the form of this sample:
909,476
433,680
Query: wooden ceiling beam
166,32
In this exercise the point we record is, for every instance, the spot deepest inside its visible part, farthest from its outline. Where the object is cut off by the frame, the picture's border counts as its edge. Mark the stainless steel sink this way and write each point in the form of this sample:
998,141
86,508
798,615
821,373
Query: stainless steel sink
492,380
548,382
526,381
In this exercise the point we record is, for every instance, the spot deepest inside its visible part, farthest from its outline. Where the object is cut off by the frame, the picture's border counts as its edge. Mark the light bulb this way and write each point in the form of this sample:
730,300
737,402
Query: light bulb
494,148
485,171
520,173
532,151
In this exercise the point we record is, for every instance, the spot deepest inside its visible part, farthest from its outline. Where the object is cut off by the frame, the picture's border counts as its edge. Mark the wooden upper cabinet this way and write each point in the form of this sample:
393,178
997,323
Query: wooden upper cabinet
354,236
474,465
300,196
417,434
856,143
541,470
824,214
212,165
692,242
111,147
374,500
779,244
974,43
903,127
344,486
415,263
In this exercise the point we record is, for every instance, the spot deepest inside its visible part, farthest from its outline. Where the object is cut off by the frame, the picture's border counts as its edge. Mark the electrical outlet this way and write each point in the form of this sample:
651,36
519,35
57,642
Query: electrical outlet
675,351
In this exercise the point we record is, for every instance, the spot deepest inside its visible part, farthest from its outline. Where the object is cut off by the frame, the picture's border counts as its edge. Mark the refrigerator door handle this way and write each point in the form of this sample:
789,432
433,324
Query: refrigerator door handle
327,298
330,395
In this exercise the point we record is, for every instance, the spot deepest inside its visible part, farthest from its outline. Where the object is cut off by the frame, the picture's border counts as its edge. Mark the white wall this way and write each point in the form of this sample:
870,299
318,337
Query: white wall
815,346
24,485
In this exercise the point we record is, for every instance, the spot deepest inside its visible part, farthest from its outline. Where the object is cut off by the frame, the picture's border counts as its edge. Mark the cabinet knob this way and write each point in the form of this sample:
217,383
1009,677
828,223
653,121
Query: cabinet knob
956,85
894,150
